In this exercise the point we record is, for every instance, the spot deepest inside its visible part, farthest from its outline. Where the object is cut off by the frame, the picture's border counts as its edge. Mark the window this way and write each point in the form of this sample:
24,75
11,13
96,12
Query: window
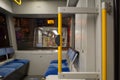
37,33
4,39
45,37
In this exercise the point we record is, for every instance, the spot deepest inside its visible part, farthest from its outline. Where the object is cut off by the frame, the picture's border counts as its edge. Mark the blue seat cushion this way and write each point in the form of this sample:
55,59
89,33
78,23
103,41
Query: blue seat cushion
12,65
56,61
56,65
54,71
6,71
24,61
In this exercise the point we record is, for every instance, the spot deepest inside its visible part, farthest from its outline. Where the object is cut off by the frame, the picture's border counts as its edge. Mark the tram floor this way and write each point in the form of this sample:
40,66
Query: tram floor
34,77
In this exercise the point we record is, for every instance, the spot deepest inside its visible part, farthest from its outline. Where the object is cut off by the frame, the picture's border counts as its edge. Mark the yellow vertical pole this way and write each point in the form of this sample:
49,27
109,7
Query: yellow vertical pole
104,42
60,47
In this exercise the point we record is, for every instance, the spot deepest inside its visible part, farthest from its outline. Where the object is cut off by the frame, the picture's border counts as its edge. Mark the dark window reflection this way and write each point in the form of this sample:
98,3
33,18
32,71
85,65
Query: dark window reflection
4,40
32,33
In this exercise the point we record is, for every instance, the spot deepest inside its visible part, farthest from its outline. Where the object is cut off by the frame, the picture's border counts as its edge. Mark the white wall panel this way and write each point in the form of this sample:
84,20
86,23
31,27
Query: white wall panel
78,40
85,37
110,44
91,38
91,43
5,4
80,35
98,36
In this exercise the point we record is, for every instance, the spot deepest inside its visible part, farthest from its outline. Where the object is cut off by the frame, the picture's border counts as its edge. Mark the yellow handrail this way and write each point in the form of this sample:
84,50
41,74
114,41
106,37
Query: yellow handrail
60,47
19,2
104,42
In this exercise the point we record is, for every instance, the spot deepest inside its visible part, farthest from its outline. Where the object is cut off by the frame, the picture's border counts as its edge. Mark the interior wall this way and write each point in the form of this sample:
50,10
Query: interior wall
72,32
98,37
6,4
78,37
11,31
85,37
110,44
38,7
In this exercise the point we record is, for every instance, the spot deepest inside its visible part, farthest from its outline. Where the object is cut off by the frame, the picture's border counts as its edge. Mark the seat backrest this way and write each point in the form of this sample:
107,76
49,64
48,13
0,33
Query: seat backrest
10,52
3,56
71,56
75,63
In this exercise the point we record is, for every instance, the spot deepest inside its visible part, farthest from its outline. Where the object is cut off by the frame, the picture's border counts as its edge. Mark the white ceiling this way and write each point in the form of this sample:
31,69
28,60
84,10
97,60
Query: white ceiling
70,2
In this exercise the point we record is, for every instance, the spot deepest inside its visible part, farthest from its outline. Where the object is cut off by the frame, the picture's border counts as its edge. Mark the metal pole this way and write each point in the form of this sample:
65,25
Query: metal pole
60,47
104,42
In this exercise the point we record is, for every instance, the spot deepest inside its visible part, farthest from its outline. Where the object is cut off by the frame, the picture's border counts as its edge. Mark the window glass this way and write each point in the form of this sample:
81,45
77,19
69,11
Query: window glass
39,33
4,39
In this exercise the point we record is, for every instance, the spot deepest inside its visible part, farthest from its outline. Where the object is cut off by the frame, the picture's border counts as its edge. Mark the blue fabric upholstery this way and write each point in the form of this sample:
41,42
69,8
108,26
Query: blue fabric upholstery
56,61
24,61
64,65
54,71
12,65
71,54
2,51
6,71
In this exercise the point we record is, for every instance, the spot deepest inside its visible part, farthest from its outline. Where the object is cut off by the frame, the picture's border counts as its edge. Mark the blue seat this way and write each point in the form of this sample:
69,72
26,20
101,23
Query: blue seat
12,65
24,61
54,71
71,53
53,67
16,68
6,71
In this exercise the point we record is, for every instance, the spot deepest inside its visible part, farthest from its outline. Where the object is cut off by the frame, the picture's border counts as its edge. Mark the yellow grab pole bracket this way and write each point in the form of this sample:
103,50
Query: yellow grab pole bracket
60,47
19,2
104,42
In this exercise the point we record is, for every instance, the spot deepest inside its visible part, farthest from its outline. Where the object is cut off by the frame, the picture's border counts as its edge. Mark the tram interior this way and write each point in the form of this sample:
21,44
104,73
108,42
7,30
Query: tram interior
31,28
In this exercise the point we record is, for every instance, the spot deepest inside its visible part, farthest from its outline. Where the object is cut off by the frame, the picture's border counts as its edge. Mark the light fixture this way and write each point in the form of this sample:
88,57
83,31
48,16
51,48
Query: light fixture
51,21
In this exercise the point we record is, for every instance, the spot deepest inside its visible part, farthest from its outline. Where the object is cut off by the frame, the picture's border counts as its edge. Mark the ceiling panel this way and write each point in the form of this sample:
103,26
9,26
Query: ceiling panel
72,3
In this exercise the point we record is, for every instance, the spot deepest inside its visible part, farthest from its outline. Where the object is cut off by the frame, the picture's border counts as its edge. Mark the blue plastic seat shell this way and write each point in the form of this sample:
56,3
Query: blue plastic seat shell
54,71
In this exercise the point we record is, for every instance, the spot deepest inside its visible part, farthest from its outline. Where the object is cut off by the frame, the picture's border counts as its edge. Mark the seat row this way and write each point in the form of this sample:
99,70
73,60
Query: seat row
11,68
71,56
